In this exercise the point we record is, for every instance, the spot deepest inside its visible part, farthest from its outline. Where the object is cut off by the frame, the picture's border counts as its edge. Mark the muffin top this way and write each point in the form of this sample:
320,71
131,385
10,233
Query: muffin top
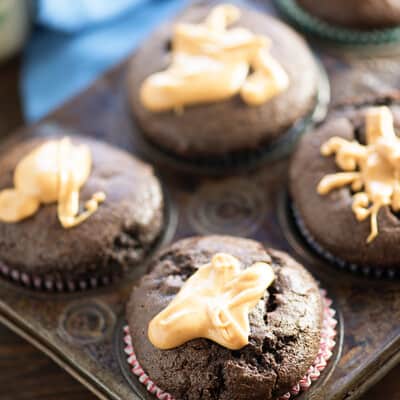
358,14
231,125
118,233
285,326
336,219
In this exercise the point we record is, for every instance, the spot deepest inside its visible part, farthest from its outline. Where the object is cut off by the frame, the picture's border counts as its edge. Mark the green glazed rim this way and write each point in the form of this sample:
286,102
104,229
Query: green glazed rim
309,24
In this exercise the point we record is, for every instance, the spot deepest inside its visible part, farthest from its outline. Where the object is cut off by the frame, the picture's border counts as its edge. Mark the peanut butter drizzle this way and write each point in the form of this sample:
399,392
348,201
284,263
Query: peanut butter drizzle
372,170
214,303
211,63
53,172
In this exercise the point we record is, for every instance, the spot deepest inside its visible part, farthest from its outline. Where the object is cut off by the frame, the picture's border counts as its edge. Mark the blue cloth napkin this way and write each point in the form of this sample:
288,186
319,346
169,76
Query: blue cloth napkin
74,41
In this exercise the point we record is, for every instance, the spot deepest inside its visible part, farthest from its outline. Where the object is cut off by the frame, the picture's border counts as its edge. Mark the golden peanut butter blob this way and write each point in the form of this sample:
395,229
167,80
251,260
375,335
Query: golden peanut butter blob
52,173
211,63
214,303
372,170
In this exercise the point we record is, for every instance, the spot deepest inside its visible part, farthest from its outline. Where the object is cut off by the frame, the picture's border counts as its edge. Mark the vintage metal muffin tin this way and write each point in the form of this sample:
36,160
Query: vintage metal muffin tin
82,331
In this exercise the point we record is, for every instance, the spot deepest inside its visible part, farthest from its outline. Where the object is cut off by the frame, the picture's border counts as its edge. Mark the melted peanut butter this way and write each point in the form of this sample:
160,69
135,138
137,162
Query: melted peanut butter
53,172
372,170
210,63
214,303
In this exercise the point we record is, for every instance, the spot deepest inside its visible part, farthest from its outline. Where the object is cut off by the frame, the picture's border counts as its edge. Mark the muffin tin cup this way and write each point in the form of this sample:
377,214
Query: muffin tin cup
314,26
303,238
327,345
248,160
63,283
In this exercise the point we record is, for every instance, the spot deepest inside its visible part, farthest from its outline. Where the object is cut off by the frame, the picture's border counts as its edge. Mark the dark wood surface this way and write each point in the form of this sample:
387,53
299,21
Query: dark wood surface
28,374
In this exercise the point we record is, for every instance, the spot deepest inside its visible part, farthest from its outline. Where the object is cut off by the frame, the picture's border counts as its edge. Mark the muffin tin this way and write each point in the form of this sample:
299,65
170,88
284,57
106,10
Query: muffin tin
82,331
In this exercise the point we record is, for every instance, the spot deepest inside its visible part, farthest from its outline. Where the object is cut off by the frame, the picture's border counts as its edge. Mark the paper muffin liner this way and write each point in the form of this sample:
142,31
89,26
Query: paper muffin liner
310,24
235,161
327,344
50,283
366,270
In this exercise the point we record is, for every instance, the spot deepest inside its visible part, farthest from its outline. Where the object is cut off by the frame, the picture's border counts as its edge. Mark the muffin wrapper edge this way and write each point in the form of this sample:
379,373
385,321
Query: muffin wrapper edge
49,283
366,270
309,24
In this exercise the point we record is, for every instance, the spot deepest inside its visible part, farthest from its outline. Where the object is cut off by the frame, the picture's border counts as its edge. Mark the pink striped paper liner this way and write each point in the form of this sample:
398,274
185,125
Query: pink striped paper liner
328,335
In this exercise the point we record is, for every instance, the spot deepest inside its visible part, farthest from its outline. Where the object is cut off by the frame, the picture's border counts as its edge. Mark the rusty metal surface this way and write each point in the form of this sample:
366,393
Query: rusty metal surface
82,331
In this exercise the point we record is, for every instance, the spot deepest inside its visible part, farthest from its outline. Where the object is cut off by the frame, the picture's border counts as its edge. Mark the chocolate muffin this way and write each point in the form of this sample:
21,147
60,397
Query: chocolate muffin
285,326
222,129
356,14
39,252
345,223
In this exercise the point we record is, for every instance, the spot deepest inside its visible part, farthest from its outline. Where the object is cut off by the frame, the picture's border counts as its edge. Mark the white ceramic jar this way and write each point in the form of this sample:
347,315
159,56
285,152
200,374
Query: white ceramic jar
14,26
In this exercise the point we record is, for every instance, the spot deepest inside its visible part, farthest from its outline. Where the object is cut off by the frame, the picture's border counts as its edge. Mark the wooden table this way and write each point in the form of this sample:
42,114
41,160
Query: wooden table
27,374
